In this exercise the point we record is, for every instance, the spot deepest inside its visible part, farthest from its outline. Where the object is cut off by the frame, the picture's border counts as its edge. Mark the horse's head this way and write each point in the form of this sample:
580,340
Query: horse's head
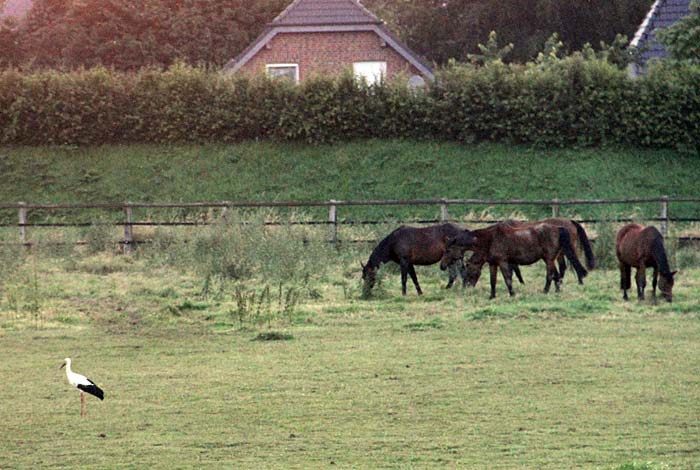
465,239
453,253
666,285
473,268
455,248
369,274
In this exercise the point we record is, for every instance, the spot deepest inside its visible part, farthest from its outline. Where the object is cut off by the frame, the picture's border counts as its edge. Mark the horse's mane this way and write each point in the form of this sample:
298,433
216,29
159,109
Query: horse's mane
659,254
484,237
381,252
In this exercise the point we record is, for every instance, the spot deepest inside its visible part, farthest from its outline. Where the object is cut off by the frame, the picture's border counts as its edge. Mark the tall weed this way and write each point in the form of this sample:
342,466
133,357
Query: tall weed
604,246
243,246
261,308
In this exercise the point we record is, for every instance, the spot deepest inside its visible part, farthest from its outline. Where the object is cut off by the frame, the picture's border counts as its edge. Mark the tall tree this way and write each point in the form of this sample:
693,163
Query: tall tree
10,43
128,34
444,29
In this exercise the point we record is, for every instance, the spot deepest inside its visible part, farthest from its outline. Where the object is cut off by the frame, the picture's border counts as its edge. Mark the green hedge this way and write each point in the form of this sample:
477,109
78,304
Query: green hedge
572,101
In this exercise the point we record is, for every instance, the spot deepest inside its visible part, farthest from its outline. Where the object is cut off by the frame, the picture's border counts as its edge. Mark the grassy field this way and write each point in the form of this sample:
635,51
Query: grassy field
578,379
249,346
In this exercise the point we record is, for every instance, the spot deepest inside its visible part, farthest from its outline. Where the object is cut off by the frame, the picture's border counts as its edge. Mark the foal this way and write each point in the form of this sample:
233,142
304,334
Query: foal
643,247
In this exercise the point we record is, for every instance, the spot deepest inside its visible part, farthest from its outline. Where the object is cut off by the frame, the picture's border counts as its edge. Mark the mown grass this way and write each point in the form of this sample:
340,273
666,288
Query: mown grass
575,379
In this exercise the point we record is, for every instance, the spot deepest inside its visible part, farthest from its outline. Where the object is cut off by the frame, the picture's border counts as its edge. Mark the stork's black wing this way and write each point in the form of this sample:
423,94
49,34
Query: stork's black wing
92,389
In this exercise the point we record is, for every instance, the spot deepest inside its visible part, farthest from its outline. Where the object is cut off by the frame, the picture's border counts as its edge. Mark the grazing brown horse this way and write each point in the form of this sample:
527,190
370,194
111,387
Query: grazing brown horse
409,246
643,247
458,245
576,232
502,246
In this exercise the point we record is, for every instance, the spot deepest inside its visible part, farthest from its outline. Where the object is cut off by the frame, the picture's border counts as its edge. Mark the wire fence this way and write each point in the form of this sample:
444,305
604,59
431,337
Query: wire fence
334,208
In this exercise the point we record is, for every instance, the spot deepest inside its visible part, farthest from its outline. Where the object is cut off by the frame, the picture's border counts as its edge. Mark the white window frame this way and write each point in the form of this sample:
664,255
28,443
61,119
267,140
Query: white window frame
374,79
268,67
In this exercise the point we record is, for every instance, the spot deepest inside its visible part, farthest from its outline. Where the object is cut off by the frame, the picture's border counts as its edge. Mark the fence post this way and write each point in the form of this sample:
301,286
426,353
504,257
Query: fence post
443,211
128,230
333,222
664,215
555,208
22,224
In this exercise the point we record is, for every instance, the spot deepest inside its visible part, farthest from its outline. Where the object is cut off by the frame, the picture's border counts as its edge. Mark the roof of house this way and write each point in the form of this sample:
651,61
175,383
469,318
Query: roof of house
663,13
327,16
325,12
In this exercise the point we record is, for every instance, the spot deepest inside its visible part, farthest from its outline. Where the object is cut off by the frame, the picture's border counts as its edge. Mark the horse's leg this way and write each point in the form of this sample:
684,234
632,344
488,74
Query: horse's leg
414,278
463,273
654,280
516,270
451,279
507,277
625,279
404,275
641,279
550,274
452,270
561,260
494,273
556,277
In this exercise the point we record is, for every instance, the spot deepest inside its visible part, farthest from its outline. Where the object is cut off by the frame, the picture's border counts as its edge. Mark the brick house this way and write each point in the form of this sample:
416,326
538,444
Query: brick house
15,8
662,14
328,37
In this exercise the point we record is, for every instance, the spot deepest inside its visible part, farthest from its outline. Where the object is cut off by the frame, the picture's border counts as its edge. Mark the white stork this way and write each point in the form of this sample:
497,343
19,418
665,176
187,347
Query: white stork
83,384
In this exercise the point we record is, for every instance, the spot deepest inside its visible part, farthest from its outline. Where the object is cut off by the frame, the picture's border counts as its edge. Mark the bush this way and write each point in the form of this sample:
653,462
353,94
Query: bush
578,100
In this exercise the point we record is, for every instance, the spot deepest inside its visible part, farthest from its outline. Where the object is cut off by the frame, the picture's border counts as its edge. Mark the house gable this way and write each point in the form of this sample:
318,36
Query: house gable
336,24
317,53
662,14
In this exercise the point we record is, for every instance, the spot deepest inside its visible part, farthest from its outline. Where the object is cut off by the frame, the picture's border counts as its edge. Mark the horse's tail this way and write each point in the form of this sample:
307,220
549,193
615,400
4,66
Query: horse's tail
658,252
587,248
570,253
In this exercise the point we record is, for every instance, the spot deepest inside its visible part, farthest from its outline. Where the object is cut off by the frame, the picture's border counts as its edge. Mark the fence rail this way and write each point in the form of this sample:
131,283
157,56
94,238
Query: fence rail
332,221
332,202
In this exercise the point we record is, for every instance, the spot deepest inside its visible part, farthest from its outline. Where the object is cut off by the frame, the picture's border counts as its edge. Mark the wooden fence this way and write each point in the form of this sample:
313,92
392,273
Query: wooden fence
333,221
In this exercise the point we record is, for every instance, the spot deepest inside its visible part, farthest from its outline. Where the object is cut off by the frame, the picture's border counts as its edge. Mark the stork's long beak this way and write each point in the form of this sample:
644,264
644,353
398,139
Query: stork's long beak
62,365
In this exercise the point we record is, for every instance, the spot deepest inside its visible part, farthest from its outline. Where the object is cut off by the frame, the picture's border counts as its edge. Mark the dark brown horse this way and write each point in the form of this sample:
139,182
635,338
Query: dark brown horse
502,246
576,232
643,247
409,246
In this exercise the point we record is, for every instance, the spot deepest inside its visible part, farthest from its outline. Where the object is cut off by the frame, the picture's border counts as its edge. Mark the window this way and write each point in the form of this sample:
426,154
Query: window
283,71
371,72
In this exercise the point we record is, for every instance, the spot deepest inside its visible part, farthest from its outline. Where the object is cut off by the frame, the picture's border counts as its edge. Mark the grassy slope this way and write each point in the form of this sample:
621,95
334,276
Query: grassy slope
364,170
